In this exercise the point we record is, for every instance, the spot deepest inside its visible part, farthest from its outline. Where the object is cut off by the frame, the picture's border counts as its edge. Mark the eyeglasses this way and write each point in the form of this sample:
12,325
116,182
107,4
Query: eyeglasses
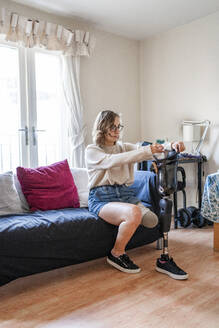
114,127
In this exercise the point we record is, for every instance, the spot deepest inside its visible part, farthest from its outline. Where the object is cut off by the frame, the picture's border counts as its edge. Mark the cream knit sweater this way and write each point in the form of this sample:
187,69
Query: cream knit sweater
109,165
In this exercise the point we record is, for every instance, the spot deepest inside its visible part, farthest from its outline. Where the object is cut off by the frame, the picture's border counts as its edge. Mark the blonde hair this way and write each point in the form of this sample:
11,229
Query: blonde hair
103,122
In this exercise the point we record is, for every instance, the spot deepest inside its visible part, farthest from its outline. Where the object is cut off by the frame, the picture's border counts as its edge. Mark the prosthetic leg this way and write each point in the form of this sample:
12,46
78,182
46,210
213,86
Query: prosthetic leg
167,185
165,221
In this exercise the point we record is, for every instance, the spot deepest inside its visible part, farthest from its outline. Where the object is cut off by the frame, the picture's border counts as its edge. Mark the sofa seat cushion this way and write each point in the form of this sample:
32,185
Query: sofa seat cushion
42,226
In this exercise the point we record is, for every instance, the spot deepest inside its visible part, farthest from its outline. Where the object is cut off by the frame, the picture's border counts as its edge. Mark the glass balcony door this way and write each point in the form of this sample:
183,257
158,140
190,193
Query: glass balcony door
33,119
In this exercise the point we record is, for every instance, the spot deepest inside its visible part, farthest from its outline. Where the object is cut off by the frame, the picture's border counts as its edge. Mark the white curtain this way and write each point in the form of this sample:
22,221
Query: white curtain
30,33
71,89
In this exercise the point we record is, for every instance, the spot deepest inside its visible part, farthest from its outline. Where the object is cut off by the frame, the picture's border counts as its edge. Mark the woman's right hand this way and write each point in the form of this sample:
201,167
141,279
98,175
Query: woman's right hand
157,148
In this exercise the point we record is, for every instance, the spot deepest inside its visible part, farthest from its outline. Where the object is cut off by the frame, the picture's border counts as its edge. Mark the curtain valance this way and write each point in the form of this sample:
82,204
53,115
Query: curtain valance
31,33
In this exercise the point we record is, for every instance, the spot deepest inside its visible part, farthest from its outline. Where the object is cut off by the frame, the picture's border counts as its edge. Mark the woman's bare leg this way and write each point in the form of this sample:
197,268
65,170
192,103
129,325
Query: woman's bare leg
127,217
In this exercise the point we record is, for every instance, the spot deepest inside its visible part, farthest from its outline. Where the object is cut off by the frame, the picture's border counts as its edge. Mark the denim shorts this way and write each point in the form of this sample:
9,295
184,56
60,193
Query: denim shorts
100,196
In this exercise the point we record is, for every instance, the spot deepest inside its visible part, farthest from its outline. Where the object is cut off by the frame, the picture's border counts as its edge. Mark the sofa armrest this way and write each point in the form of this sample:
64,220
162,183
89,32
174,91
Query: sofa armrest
145,189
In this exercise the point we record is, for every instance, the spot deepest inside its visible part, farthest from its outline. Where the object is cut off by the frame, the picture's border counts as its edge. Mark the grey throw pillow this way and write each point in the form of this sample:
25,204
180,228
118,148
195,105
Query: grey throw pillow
9,200
24,203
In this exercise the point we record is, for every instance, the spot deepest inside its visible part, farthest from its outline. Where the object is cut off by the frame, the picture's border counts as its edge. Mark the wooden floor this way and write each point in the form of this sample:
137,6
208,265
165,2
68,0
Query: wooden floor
95,295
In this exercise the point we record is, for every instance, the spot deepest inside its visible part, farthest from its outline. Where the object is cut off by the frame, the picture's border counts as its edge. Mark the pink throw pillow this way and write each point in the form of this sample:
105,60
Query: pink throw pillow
49,187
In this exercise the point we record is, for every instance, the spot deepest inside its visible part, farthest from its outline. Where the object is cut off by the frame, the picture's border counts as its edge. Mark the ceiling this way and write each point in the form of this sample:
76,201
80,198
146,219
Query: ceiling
136,19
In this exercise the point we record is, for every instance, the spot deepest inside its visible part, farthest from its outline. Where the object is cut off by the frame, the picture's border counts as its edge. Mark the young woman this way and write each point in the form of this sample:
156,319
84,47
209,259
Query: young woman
110,165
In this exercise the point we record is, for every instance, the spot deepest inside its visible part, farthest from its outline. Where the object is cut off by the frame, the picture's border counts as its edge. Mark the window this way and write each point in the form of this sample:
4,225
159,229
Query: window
33,128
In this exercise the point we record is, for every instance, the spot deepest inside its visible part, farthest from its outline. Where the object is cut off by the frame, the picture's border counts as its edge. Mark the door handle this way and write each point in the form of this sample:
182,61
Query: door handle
25,130
34,132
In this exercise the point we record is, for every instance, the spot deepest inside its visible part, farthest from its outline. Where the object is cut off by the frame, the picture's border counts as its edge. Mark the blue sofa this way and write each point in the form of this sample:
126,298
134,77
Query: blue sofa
44,240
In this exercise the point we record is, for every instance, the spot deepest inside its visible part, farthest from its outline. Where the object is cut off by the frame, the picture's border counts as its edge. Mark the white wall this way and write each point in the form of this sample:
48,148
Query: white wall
109,78
180,80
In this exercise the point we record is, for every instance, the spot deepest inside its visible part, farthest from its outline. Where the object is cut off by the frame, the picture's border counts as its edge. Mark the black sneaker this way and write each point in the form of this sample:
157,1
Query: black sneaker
169,267
123,263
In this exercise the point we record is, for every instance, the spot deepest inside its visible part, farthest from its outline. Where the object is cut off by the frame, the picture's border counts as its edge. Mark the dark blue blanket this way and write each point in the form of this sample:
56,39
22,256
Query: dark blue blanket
45,240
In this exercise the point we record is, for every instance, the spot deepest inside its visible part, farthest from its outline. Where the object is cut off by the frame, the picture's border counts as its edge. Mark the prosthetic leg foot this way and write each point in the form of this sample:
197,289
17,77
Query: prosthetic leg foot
166,264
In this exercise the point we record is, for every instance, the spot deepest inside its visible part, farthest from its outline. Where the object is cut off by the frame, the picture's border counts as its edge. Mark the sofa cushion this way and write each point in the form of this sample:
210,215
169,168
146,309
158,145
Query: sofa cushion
9,200
49,187
80,176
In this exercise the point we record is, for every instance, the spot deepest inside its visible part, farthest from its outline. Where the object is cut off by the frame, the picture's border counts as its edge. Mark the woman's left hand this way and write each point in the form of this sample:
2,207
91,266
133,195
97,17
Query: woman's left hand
178,146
